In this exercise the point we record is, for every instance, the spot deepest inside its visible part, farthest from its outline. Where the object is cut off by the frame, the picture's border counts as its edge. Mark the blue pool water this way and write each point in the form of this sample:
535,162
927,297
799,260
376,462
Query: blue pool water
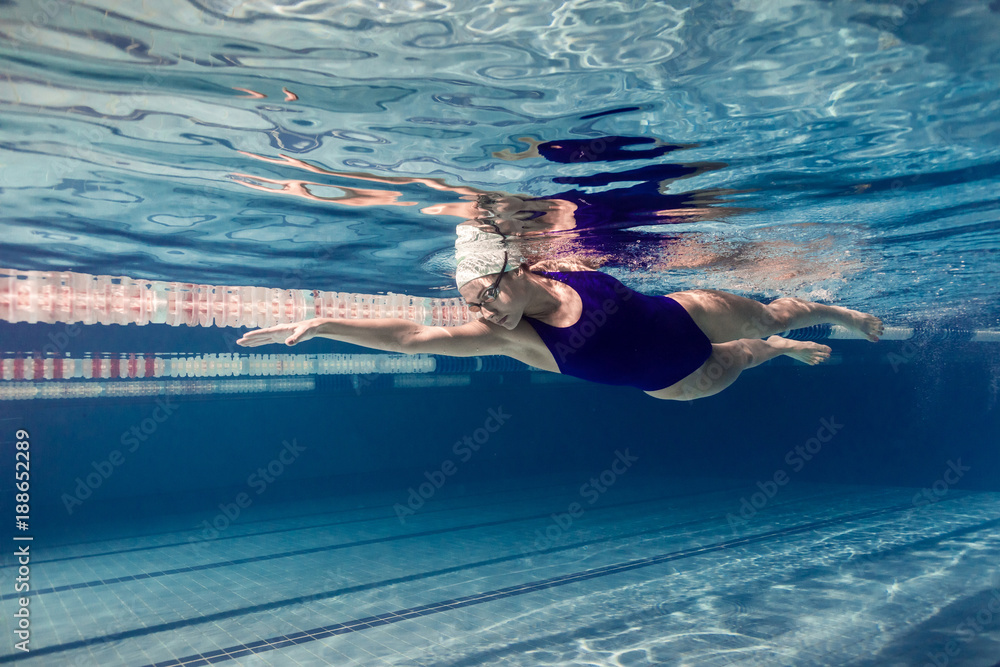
441,511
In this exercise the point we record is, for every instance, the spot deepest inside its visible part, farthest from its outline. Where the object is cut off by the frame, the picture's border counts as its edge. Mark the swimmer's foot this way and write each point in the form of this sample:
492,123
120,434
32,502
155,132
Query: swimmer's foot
867,325
803,350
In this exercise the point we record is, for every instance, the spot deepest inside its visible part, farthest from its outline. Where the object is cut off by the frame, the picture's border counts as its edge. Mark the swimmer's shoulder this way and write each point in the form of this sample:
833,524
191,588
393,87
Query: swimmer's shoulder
565,265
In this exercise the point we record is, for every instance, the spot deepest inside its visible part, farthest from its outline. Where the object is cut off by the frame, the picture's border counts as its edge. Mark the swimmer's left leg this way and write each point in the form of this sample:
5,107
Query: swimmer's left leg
730,359
727,317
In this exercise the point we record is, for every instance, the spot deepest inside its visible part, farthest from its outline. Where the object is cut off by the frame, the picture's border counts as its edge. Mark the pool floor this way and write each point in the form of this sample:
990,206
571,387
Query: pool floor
534,571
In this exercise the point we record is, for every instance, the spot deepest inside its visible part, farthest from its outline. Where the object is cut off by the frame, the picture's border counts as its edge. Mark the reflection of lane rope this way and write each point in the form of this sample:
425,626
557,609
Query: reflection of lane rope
39,366
54,297
41,376
835,332
23,391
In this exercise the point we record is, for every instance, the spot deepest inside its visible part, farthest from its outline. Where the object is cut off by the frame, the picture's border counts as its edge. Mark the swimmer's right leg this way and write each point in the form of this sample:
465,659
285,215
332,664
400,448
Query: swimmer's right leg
730,359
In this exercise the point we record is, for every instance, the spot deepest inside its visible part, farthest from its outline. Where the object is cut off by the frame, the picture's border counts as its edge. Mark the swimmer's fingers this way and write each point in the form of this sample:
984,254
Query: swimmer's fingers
289,334
304,330
264,336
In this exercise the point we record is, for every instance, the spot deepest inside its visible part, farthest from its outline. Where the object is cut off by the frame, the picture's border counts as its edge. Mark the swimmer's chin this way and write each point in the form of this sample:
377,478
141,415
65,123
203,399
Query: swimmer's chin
507,322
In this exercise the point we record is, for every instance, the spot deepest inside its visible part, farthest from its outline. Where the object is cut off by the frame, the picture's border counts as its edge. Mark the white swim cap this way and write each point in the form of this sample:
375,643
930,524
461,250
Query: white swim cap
480,253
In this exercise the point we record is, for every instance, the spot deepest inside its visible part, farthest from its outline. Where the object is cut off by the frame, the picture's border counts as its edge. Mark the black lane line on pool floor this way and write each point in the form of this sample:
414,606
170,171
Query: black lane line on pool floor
306,636
333,547
325,595
275,519
424,610
168,545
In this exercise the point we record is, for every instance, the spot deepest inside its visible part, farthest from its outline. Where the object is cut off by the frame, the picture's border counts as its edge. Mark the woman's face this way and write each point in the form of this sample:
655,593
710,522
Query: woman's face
508,205
511,226
500,204
506,309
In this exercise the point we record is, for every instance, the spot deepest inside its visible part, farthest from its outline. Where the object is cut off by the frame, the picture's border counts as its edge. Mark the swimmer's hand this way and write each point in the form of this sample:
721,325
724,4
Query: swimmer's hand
289,334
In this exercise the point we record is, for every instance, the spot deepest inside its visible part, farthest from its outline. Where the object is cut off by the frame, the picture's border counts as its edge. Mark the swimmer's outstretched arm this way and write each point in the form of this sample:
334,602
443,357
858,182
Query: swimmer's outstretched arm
434,183
391,335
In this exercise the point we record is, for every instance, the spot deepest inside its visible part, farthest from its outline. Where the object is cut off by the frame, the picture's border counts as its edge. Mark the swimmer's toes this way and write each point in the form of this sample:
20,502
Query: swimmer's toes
871,327
805,351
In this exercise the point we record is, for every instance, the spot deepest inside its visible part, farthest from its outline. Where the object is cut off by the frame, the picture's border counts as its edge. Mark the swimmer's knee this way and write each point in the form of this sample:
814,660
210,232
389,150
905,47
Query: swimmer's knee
779,314
688,389
734,354
663,397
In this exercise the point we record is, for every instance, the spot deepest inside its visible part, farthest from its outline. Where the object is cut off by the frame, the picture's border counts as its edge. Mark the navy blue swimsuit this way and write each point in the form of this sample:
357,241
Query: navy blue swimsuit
639,204
624,337
601,149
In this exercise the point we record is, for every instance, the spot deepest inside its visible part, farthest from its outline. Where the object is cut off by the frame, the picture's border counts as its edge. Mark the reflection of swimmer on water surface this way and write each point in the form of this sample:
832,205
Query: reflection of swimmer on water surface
642,203
596,149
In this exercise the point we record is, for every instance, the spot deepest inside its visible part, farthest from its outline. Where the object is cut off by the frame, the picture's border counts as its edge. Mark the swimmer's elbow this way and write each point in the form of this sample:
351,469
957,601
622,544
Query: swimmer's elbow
423,340
449,341
412,340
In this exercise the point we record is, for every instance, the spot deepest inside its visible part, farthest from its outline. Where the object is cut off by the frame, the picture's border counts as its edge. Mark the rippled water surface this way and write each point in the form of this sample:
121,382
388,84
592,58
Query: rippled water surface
845,151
